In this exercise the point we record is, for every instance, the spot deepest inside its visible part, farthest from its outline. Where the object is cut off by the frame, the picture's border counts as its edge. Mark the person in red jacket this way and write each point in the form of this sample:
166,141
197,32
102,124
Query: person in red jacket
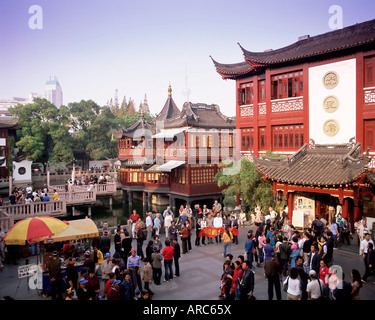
237,274
93,284
324,274
168,252
113,292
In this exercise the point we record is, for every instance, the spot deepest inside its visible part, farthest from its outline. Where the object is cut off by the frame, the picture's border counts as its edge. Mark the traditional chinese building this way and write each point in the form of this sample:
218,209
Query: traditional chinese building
319,89
177,154
7,130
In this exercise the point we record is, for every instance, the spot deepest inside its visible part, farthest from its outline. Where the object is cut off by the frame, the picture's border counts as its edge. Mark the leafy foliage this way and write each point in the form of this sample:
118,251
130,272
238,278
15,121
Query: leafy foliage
244,179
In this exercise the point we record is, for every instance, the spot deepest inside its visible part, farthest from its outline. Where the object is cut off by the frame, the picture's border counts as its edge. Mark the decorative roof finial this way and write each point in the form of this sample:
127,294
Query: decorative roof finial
169,90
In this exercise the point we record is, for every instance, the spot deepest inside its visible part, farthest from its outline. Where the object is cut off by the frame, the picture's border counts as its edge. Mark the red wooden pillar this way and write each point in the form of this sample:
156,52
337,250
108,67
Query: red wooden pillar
345,208
290,206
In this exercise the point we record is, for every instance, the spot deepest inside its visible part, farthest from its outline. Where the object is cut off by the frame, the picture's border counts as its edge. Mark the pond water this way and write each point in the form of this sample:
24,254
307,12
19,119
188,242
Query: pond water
115,214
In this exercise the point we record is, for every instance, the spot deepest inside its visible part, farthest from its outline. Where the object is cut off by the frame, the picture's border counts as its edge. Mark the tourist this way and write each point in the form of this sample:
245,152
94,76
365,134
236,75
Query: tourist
249,247
261,244
126,245
324,275
96,256
156,259
167,223
172,231
369,261
293,285
306,246
268,250
55,195
149,225
226,221
113,292
210,224
237,276
184,238
272,271
119,261
133,219
234,224
149,250
135,277
127,288
314,259
315,286
135,260
166,211
285,251
168,252
176,257
83,293
317,226
272,236
157,224
71,273
145,295
108,283
198,229
242,218
105,242
88,262
303,277
93,285
330,245
247,282
226,281
55,276
189,227
205,211
295,251
343,289
218,207
279,241
229,257
356,284
106,267
218,224
147,275
364,244
117,241
346,231
362,230
140,238
227,241
202,226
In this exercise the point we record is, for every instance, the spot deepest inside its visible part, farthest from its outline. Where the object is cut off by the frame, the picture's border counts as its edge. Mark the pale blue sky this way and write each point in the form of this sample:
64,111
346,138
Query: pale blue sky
95,47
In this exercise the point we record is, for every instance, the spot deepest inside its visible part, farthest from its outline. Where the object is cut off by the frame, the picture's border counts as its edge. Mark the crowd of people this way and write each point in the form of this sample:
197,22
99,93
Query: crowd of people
90,179
29,194
299,263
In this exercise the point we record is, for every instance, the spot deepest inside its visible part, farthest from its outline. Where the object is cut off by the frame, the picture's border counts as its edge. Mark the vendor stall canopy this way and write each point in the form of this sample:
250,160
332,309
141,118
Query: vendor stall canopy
77,229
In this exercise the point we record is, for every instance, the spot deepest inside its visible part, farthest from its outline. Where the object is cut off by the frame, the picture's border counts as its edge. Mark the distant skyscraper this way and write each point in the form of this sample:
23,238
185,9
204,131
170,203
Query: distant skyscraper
53,92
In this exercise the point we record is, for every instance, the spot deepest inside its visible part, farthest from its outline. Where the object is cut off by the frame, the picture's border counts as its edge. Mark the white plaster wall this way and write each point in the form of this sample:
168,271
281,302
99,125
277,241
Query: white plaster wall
345,91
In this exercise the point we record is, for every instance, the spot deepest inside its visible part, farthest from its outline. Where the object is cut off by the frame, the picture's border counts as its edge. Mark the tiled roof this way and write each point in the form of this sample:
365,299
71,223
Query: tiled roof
358,35
142,128
200,115
169,111
319,165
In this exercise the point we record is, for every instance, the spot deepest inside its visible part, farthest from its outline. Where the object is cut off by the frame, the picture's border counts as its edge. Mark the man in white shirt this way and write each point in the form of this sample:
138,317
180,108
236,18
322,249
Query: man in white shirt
364,244
29,189
149,225
315,286
218,223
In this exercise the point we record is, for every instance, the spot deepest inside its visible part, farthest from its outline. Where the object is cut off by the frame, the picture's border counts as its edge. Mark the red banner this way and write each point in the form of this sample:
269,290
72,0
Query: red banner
234,231
211,232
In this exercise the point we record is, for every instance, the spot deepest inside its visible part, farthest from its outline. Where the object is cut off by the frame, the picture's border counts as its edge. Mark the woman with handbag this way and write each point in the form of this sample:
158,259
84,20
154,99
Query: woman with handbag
292,285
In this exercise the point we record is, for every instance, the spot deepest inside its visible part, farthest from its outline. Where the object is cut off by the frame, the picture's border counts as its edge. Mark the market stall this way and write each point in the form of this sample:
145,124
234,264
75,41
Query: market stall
79,232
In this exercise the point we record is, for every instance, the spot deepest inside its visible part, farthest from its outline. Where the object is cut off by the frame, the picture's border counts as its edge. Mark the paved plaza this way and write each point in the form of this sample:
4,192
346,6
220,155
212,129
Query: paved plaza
200,275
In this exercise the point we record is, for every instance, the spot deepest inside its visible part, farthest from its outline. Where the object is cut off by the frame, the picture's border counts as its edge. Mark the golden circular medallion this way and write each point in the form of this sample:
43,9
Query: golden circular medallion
331,127
330,80
331,104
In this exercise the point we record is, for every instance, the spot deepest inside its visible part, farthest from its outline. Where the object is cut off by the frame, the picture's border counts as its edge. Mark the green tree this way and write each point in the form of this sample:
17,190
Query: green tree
245,180
42,132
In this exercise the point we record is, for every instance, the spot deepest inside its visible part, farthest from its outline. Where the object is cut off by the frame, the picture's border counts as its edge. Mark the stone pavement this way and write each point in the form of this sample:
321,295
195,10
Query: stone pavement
200,272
